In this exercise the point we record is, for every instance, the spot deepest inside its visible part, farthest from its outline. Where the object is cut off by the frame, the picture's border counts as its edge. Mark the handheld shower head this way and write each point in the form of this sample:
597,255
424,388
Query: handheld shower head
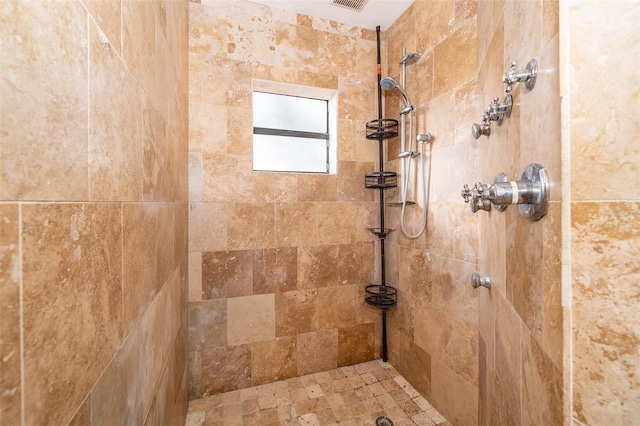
389,83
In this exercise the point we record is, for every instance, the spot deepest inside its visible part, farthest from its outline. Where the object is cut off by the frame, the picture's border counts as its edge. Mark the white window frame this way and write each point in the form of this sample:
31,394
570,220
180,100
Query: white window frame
329,95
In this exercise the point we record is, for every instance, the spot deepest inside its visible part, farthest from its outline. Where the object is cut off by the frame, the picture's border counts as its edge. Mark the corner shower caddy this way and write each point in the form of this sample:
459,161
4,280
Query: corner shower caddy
381,295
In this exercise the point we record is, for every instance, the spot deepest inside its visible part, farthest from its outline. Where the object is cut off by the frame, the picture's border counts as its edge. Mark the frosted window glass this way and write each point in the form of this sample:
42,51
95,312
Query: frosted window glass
289,113
282,153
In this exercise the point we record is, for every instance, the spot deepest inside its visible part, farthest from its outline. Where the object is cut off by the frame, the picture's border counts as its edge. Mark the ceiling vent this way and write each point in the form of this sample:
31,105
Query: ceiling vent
356,5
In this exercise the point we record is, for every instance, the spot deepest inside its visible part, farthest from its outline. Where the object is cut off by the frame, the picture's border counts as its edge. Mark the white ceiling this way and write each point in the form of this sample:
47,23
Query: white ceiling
374,13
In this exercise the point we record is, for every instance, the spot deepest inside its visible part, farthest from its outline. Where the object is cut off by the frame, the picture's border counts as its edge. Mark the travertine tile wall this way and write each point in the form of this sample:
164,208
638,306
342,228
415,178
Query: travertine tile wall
433,332
521,322
278,262
93,212
601,93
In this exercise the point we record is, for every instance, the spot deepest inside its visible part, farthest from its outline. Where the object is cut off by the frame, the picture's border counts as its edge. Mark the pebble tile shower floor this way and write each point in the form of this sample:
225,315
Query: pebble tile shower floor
353,395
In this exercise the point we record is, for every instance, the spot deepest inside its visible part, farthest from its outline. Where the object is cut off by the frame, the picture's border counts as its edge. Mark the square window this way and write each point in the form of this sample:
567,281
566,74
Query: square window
291,133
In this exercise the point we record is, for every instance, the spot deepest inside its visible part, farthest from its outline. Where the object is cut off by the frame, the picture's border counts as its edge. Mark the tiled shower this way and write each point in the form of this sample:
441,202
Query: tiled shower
143,263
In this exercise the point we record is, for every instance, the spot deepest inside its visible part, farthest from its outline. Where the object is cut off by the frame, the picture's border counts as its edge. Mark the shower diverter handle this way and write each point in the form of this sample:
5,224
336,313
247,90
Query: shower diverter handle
501,194
530,192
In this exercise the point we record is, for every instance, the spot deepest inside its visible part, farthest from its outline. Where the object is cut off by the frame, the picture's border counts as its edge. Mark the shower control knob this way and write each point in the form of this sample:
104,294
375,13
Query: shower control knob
478,280
528,76
530,192
478,130
475,197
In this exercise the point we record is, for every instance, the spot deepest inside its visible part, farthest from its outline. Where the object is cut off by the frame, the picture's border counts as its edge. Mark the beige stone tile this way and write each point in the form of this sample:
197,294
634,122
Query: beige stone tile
227,368
550,21
296,46
318,266
296,312
139,269
451,289
346,140
467,110
226,274
124,374
155,147
203,119
356,99
158,326
275,270
181,236
492,249
250,225
317,351
115,116
439,119
337,51
317,187
263,353
604,249
508,356
272,73
458,53
251,319
523,25
107,15
350,181
402,315
273,187
455,398
335,222
83,415
208,226
208,30
195,176
437,238
10,380
337,308
239,131
77,246
542,397
44,149
552,326
460,164
414,364
355,263
453,341
433,23
465,234
465,10
355,345
540,114
525,254
295,224
139,42
603,151
414,279
166,242
218,89
207,324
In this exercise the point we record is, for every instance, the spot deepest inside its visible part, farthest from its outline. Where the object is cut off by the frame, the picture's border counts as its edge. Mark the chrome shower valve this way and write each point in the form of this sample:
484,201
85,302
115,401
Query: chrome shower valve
483,128
475,198
528,76
496,111
530,192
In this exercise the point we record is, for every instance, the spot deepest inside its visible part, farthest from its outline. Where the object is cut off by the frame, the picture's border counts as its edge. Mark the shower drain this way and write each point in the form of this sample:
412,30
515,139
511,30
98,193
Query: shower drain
383,421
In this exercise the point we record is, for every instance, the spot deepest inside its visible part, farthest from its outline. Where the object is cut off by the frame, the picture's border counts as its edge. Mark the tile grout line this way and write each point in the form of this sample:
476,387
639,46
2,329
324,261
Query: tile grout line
21,311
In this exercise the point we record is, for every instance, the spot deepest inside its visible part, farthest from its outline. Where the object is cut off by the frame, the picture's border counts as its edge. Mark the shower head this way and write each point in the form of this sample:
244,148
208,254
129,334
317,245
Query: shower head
389,83
410,58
